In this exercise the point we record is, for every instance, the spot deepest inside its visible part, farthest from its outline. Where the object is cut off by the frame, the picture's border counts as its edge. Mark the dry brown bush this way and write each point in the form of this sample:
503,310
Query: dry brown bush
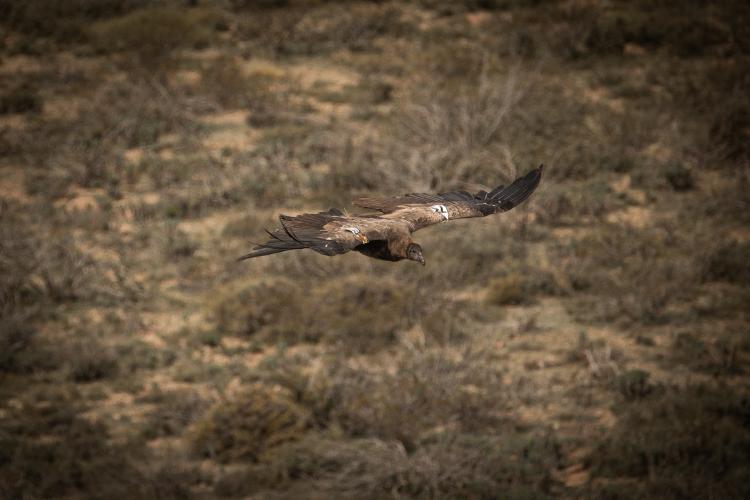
21,99
65,22
248,426
436,390
730,261
447,134
564,205
18,288
322,28
510,289
707,429
246,227
636,274
258,307
446,322
50,450
359,314
714,352
134,114
152,38
88,359
88,149
225,81
449,466
173,412
17,344
355,314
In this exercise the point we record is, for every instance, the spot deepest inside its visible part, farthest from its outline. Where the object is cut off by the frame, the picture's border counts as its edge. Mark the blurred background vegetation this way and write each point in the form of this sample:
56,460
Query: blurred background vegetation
591,343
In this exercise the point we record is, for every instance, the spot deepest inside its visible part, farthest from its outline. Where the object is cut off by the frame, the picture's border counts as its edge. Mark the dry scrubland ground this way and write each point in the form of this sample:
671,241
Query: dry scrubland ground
593,343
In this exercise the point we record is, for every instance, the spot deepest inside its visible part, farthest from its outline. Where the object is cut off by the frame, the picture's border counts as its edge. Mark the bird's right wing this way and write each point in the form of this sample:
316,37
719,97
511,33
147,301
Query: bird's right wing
422,210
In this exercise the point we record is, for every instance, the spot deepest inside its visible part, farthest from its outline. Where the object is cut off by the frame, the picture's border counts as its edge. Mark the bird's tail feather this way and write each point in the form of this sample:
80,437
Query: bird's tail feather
271,248
279,242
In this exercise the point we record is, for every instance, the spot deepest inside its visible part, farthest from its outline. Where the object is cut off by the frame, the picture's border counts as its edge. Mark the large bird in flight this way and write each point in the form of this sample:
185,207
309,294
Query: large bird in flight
387,235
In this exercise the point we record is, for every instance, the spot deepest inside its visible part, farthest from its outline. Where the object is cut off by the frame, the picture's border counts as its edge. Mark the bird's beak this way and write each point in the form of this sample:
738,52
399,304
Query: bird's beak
421,260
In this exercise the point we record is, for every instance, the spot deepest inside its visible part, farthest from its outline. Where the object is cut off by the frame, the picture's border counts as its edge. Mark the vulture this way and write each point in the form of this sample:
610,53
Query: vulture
387,235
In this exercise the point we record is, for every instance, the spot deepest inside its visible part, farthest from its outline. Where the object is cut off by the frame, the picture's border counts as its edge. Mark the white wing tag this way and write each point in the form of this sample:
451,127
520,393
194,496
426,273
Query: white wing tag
440,209
357,234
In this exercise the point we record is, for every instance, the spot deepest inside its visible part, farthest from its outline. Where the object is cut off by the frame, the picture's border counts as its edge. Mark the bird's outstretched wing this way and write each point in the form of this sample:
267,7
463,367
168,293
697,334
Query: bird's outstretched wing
422,210
328,233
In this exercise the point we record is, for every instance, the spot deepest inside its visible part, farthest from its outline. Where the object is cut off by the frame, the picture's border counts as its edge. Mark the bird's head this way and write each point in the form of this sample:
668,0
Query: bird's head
414,252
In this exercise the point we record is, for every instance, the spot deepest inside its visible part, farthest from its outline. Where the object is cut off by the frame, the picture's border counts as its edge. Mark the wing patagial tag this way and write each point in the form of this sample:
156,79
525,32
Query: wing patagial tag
357,233
440,209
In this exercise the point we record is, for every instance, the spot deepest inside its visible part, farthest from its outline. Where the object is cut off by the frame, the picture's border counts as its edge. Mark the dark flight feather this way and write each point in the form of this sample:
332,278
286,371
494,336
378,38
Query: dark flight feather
503,198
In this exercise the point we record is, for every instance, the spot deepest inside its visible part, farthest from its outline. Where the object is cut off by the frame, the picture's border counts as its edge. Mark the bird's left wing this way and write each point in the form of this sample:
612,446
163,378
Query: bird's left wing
328,233
422,210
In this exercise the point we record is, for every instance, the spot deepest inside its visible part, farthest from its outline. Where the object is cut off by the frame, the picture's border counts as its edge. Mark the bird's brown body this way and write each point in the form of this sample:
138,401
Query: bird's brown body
383,250
394,248
388,236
